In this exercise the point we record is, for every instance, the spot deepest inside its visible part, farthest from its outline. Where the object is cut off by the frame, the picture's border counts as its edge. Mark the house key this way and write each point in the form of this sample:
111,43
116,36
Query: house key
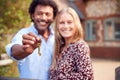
39,44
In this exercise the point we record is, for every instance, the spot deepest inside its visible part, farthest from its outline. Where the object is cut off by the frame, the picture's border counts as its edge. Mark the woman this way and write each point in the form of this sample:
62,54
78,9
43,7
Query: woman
71,60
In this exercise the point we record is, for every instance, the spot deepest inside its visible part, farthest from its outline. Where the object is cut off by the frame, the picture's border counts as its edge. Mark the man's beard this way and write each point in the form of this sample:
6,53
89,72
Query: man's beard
45,21
42,22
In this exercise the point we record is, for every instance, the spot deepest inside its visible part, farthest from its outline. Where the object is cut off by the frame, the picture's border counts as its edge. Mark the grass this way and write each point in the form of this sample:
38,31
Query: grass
9,70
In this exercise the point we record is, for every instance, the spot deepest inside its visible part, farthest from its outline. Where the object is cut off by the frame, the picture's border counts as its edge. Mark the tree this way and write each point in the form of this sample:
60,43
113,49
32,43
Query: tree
13,16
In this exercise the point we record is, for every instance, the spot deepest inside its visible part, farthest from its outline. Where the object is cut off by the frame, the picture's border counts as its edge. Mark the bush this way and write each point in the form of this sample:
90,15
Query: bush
13,16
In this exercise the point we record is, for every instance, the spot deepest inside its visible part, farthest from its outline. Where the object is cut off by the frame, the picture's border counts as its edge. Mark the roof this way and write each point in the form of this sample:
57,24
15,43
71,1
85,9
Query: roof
77,10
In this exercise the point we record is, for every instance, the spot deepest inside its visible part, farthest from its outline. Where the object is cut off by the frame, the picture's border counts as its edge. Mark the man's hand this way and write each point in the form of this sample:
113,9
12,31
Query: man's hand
30,42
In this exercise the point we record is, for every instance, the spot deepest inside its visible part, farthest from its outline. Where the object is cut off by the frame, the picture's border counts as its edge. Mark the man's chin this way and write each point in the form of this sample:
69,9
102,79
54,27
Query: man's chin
42,28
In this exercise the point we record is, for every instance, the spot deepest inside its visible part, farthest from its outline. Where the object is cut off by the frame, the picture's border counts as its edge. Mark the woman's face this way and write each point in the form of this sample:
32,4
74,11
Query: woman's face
66,25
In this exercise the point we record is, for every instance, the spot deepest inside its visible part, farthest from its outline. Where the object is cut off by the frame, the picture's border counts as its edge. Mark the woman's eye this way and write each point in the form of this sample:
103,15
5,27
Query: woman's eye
69,22
61,23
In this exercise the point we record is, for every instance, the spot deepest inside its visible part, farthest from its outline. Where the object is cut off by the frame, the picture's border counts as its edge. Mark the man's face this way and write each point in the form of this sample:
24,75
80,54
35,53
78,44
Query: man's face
43,16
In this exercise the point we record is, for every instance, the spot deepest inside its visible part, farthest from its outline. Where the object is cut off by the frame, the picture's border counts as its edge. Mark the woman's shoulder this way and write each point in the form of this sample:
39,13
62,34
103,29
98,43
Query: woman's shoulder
81,42
82,46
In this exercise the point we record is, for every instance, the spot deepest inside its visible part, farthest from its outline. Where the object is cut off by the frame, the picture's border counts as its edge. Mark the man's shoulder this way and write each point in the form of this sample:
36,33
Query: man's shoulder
26,29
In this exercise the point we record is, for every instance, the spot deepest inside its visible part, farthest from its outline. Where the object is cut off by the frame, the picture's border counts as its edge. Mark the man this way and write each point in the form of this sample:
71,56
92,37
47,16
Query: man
24,46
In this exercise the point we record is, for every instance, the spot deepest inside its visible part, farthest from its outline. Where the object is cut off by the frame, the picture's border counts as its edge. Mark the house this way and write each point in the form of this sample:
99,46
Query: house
101,23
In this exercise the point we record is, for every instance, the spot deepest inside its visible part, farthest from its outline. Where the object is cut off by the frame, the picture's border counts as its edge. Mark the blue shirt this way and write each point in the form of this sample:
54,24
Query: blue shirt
34,66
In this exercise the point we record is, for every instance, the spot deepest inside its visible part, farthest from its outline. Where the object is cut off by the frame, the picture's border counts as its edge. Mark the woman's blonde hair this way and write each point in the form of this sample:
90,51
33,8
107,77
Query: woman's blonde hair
59,40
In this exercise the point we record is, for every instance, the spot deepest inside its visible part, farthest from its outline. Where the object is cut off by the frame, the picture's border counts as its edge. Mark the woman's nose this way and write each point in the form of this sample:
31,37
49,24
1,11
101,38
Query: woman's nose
66,25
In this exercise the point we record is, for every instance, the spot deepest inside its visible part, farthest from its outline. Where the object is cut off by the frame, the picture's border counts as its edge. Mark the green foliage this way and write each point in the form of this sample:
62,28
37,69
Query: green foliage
9,70
3,70
13,16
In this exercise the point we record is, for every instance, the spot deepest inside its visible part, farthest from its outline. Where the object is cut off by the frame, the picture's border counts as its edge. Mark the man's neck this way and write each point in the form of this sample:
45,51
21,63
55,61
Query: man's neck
45,34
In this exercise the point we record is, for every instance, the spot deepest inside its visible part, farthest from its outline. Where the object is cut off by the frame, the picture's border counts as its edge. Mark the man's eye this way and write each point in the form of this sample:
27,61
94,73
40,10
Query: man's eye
48,14
39,13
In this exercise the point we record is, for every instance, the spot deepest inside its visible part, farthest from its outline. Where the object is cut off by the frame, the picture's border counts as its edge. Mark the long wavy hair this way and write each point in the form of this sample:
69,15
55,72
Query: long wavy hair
59,40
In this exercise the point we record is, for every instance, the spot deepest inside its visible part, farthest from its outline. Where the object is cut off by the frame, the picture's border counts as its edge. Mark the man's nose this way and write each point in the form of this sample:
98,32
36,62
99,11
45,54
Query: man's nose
43,16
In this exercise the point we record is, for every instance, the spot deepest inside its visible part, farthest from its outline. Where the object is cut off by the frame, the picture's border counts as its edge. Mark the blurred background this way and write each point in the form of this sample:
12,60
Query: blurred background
13,16
101,23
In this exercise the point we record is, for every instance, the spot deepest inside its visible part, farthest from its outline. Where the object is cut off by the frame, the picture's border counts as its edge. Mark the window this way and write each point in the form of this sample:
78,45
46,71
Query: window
112,29
71,0
90,30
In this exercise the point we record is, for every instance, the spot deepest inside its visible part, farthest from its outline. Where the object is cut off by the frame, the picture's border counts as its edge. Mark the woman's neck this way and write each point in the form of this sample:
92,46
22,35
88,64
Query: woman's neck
68,41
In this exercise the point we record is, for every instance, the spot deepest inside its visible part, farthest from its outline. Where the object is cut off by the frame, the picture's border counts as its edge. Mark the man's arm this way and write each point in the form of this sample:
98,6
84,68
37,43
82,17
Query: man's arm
18,52
30,42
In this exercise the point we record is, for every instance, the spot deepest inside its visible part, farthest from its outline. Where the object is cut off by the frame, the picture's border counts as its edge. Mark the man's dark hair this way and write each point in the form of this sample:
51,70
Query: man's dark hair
44,3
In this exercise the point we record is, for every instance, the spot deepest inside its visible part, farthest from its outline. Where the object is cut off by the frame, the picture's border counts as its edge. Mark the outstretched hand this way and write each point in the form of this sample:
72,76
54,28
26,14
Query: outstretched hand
30,42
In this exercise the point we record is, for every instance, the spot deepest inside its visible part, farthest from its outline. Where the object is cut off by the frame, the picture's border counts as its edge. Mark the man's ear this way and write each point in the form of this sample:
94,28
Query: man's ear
32,16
